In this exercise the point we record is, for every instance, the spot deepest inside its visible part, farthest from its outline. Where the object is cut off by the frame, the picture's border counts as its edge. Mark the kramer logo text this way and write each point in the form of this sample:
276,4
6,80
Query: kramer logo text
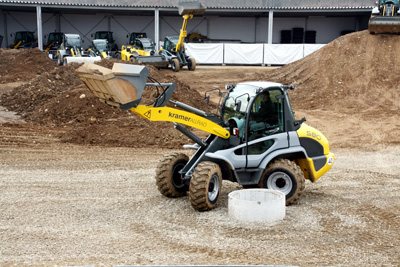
188,119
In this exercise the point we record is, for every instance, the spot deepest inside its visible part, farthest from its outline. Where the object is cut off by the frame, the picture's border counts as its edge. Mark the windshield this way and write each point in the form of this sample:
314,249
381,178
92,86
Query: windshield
54,37
104,35
24,36
101,46
237,101
73,41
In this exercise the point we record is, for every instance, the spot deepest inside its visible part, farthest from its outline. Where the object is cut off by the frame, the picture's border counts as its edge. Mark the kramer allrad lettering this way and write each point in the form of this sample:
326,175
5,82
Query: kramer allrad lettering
188,119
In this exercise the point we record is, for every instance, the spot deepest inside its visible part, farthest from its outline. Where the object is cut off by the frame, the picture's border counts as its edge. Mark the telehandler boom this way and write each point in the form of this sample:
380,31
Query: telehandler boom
253,140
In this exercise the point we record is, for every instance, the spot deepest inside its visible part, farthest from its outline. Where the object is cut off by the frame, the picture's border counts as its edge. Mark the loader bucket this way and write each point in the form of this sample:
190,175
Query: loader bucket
191,8
68,60
380,24
156,61
120,87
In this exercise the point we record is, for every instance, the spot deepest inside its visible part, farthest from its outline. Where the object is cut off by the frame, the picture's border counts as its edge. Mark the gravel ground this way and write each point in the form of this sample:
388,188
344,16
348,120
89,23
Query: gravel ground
64,205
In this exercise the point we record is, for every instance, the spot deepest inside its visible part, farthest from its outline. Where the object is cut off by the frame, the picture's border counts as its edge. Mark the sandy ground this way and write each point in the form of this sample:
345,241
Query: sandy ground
66,205
80,205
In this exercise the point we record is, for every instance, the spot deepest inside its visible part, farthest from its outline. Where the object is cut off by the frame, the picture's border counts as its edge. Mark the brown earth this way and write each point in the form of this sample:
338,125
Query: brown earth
343,89
76,177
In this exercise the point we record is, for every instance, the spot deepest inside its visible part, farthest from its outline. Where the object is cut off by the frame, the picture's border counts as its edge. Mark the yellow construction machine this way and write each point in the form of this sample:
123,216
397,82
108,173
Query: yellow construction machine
253,140
385,17
174,46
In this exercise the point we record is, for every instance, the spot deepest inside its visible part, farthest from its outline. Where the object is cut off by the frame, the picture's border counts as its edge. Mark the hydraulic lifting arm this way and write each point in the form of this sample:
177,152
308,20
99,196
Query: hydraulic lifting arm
183,33
123,87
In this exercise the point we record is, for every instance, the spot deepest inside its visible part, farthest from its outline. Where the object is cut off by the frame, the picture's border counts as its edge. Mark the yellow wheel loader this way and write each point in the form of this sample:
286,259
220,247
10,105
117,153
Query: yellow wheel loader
99,48
142,50
52,45
253,140
71,51
174,46
23,39
385,17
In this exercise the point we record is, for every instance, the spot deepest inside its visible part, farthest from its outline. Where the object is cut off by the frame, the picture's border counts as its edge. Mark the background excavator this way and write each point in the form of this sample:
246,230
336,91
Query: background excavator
174,46
385,17
254,139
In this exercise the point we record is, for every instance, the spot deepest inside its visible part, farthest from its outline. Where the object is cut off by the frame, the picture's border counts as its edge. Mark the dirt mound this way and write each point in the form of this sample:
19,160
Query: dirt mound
23,64
357,71
56,96
350,89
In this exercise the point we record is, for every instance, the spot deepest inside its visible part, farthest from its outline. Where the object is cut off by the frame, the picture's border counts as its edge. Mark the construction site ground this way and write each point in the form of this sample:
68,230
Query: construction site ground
77,183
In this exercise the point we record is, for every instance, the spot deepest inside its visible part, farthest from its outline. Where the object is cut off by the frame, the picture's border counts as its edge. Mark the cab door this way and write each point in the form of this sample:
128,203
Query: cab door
265,130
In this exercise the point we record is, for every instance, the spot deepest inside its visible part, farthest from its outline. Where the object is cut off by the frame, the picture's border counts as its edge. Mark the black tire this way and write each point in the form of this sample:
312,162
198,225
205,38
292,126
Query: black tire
175,65
285,176
191,64
205,186
168,180
132,59
118,56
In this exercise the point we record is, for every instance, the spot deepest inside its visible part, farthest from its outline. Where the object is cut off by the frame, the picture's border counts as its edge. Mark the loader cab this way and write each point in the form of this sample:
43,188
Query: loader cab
144,44
54,39
99,48
24,39
72,41
170,43
135,35
255,111
106,35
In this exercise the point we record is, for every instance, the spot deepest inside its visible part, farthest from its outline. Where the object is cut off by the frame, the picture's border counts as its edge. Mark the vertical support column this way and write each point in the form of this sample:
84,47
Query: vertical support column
157,28
270,25
39,27
5,40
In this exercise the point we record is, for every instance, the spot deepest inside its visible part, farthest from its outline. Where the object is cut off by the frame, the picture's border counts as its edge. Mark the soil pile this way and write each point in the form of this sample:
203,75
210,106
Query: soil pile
57,97
357,71
23,65
349,89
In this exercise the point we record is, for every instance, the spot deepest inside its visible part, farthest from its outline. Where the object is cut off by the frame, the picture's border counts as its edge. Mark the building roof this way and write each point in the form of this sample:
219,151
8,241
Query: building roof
210,4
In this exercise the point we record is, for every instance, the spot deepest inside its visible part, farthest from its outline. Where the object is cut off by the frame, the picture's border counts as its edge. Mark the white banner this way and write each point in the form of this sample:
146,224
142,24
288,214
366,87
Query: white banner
311,48
281,54
243,54
206,53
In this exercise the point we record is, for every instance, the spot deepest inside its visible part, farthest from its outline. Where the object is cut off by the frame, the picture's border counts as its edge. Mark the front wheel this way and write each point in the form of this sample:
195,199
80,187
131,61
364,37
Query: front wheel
132,59
175,65
285,176
205,186
191,64
168,179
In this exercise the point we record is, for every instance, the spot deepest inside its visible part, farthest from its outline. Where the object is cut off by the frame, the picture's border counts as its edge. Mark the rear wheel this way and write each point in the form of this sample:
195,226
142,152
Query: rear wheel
191,64
285,176
205,186
168,179
175,65
132,59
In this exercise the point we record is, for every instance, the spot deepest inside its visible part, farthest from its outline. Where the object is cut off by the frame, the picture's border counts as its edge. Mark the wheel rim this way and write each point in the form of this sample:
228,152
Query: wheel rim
177,177
213,188
280,181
